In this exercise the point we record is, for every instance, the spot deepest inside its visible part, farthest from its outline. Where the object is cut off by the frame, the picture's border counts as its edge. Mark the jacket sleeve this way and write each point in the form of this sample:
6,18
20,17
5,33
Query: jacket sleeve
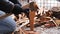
6,6
17,9
10,7
15,2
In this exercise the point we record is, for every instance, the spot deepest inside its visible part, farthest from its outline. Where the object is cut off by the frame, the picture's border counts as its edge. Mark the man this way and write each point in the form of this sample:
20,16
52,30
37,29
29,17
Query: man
7,24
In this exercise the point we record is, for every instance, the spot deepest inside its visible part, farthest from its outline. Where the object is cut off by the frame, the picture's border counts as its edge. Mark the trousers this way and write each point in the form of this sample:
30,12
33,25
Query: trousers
7,25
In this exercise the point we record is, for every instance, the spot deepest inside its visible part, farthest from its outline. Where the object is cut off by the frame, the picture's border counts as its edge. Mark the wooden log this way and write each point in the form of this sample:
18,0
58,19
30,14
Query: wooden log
32,15
33,7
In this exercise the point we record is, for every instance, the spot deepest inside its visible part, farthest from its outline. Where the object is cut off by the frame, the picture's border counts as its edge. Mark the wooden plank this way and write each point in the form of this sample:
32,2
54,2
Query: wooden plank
23,31
32,32
57,22
5,15
12,33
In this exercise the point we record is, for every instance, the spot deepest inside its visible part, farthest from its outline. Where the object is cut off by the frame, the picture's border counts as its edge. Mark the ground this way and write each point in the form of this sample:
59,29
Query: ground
41,30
